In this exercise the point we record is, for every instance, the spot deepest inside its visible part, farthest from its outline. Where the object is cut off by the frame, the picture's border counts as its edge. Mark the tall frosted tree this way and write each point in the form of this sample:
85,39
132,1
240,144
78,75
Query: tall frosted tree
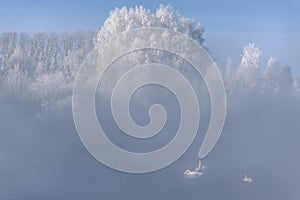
248,73
165,16
124,19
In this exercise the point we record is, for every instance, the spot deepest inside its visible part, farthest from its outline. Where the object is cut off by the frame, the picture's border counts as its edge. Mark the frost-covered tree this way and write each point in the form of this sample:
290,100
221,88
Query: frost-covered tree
72,62
124,19
16,74
277,78
22,61
15,84
49,88
248,73
8,43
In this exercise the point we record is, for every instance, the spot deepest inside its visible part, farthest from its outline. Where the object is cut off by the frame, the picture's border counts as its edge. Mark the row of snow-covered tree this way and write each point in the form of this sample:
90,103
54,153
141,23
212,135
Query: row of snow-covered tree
41,67
43,51
249,75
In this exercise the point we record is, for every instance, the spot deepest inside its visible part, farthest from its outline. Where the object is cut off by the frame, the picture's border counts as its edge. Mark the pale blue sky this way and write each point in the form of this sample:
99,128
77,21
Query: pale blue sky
230,25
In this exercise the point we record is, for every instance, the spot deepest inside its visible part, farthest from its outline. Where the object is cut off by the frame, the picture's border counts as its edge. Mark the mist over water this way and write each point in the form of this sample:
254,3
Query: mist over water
42,157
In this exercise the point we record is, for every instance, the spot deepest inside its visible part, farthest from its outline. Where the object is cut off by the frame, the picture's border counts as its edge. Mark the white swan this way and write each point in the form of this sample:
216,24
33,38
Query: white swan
195,173
247,179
